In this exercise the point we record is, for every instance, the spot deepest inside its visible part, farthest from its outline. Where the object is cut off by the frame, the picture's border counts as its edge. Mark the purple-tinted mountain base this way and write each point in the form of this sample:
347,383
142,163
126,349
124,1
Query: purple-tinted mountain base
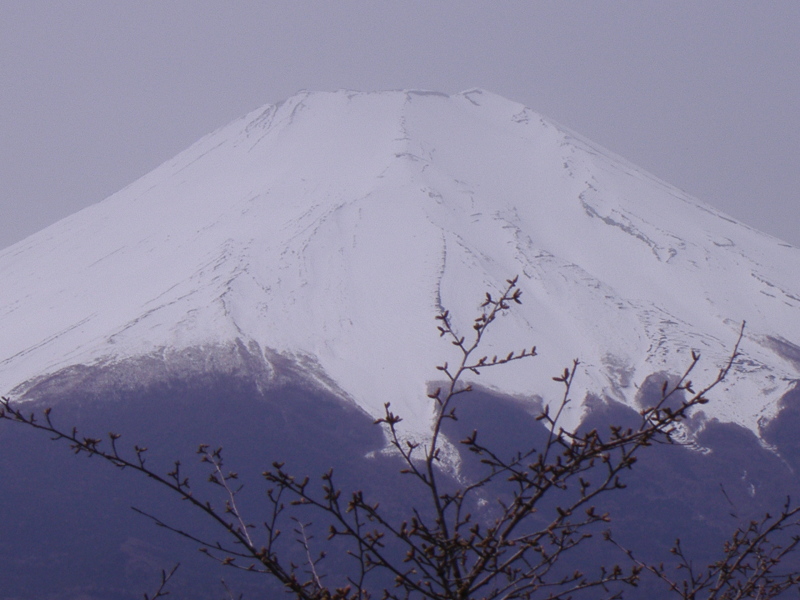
68,531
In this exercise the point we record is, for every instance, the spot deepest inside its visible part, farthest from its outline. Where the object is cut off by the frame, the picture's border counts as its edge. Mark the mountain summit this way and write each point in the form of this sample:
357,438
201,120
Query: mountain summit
320,236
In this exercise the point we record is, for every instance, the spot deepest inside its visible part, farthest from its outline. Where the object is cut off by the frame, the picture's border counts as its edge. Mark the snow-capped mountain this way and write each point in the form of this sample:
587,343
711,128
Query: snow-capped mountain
326,232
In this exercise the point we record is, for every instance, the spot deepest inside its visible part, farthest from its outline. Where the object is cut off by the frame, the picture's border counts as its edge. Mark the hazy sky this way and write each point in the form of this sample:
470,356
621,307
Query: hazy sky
704,94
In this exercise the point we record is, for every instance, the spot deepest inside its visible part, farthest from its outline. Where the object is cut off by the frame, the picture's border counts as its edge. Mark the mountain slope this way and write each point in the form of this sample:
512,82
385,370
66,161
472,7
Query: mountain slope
326,232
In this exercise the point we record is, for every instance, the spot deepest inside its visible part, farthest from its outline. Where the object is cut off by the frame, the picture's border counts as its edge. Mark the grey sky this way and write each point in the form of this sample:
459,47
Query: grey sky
95,93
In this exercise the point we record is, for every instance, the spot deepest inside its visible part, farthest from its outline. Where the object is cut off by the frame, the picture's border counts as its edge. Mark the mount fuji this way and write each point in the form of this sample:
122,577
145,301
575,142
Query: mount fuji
321,236
272,286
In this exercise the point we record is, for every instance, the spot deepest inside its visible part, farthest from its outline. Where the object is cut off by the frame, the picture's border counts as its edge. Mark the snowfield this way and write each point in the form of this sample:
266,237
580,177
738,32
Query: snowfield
329,230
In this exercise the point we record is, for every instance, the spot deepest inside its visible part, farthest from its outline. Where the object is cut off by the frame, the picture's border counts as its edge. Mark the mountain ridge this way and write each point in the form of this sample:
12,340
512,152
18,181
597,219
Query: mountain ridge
331,228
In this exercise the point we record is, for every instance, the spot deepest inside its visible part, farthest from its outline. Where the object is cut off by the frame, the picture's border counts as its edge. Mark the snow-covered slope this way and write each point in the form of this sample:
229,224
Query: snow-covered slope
330,229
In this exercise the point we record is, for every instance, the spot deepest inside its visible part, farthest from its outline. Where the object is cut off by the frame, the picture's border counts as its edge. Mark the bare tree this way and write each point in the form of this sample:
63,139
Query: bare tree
452,547
751,565
161,591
